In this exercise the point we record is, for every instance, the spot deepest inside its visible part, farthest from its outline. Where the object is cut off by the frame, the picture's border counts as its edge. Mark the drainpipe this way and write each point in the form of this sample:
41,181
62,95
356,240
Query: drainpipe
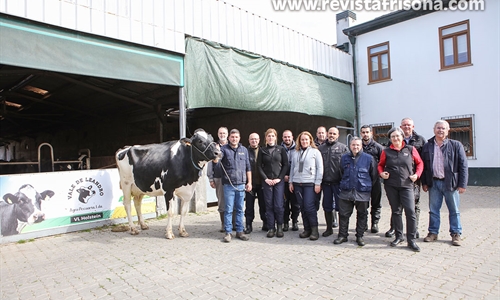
352,39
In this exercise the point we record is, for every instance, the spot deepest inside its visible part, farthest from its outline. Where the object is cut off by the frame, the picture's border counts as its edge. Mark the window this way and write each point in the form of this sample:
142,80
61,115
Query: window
379,62
462,130
380,132
454,42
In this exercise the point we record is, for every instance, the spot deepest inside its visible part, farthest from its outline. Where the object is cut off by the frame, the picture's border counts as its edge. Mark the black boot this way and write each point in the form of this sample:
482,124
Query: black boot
271,232
329,222
295,226
335,222
286,226
375,226
249,229
264,227
305,234
389,233
279,232
314,233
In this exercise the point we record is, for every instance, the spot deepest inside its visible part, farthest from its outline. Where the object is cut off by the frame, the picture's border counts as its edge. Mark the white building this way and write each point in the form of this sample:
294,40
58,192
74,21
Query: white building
430,66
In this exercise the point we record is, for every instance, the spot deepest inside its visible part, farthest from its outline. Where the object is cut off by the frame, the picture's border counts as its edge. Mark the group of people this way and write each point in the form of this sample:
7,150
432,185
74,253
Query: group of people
291,178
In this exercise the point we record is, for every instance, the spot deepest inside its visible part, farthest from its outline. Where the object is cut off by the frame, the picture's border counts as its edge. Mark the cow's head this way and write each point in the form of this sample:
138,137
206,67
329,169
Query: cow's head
85,194
28,203
205,147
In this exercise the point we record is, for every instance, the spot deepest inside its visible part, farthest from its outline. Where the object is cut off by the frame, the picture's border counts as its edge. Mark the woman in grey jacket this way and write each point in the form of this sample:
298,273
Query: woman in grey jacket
306,174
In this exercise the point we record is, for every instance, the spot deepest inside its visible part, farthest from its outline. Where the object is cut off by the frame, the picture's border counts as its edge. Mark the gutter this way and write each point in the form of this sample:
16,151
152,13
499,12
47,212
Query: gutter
352,39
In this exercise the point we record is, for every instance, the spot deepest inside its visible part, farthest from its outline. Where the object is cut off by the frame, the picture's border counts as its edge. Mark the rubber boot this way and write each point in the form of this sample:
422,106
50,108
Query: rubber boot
305,234
222,229
314,233
335,220
279,232
329,222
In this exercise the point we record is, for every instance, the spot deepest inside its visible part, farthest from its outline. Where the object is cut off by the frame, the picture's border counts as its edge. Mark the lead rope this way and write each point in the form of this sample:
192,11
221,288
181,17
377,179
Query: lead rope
230,182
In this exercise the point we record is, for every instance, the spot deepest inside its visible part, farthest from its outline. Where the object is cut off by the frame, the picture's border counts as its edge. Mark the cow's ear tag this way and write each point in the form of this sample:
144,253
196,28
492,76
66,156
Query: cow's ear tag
7,199
188,143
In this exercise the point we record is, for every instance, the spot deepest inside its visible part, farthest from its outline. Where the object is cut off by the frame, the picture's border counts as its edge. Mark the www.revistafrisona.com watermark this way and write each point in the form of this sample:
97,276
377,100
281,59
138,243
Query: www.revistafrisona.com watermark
376,5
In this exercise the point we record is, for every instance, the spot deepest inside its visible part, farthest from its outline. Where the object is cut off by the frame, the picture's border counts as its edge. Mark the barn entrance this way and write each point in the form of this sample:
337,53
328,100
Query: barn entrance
79,91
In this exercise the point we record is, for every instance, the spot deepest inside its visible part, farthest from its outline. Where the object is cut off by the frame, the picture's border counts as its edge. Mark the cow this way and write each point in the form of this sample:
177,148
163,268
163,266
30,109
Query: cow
21,209
166,169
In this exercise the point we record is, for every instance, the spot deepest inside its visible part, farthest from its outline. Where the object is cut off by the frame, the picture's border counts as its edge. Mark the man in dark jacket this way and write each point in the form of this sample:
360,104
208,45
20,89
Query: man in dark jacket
417,141
236,179
374,149
445,176
331,151
358,171
292,208
253,150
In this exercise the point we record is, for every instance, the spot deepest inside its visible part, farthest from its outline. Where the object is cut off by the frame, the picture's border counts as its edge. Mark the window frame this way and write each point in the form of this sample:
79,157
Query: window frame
454,36
379,54
376,136
469,152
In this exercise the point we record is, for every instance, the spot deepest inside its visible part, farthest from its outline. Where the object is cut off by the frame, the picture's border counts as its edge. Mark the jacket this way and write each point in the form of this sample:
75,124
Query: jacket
358,174
331,154
253,165
289,151
272,164
312,166
456,172
399,164
374,149
235,164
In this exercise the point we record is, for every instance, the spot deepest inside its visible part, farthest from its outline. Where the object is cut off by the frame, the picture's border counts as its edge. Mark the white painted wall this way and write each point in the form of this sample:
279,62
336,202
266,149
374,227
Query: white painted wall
164,24
420,91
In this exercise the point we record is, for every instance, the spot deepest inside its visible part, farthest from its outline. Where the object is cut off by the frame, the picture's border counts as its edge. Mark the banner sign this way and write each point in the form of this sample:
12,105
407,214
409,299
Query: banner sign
31,202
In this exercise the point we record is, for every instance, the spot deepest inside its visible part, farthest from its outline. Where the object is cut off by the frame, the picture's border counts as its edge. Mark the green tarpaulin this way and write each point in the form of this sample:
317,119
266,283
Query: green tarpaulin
222,77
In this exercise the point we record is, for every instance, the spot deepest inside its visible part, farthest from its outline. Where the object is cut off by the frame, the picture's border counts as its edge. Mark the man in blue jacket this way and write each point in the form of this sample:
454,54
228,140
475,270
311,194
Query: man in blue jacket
236,179
445,175
359,172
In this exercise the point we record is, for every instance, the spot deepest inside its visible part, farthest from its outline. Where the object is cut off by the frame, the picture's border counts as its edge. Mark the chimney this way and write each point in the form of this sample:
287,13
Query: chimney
345,20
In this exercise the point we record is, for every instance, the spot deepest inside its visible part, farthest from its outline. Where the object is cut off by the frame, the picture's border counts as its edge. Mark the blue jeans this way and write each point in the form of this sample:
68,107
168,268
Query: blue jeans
234,198
452,199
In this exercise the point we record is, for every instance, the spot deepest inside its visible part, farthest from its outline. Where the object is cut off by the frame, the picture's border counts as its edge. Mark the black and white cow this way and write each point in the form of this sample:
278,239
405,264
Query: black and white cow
166,169
21,209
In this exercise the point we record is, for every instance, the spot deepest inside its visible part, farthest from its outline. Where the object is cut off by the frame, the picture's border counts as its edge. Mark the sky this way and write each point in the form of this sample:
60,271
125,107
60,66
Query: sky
320,25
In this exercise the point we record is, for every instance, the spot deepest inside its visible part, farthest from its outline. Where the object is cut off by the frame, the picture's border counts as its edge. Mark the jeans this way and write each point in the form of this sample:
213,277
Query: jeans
234,198
452,199
306,198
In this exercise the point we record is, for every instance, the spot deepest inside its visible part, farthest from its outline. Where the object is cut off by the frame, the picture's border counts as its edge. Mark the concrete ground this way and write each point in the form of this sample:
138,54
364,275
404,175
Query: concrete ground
101,264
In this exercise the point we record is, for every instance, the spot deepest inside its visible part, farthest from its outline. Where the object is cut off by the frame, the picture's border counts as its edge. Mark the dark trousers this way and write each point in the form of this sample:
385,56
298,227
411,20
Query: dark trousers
292,208
250,204
330,197
317,199
375,202
306,197
402,198
346,208
416,192
274,198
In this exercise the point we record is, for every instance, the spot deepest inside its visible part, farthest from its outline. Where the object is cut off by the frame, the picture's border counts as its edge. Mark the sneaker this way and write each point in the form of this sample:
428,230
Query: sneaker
456,240
241,236
431,237
227,238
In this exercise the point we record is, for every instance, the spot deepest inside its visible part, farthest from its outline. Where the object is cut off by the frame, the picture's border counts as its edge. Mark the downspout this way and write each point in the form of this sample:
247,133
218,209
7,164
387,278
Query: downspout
352,39
182,114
